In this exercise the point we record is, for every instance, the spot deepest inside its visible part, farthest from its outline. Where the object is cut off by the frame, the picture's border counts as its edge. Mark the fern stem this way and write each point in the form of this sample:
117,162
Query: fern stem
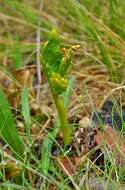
62,112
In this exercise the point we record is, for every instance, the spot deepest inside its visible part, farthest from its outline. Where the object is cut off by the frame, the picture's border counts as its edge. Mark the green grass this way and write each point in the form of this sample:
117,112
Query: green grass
98,27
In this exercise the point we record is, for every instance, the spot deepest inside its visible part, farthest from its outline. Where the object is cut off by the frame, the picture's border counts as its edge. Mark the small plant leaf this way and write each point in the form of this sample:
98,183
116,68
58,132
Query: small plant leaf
7,127
25,106
52,54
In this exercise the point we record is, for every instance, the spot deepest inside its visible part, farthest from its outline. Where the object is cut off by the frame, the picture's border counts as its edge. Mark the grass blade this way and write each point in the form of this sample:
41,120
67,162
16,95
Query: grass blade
7,127
25,106
16,55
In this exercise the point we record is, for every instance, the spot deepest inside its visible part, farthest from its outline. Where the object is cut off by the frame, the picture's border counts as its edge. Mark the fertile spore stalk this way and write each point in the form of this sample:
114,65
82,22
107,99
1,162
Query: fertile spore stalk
56,63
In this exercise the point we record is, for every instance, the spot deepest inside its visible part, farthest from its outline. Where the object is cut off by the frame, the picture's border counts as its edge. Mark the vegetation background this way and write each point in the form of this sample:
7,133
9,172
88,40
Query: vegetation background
32,154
